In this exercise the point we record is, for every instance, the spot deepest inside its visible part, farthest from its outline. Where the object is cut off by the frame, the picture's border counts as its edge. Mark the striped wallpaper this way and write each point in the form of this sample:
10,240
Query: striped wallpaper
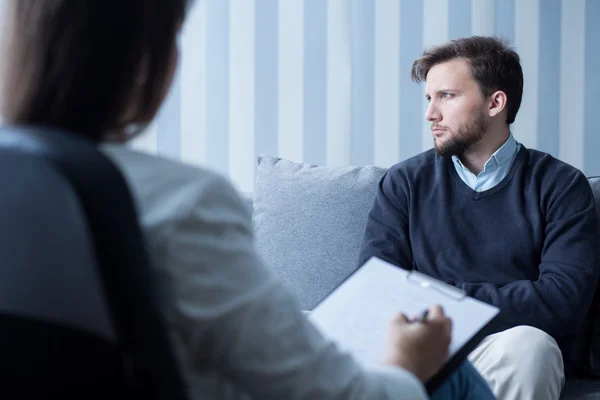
328,81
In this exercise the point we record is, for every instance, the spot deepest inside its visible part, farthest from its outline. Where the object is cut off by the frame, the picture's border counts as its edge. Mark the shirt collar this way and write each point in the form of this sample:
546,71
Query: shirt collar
500,156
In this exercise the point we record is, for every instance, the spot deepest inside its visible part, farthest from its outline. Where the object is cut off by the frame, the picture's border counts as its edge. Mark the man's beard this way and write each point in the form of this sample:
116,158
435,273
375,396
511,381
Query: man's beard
462,139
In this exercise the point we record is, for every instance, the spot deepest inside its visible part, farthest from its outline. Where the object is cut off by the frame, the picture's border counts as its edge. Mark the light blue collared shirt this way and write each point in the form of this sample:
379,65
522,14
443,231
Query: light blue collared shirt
494,170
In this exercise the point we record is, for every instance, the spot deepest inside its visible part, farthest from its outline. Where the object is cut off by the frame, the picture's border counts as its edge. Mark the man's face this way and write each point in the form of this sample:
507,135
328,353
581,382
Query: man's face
457,108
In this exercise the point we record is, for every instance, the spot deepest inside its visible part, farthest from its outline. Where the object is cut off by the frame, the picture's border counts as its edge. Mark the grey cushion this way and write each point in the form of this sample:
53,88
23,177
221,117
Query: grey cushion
309,222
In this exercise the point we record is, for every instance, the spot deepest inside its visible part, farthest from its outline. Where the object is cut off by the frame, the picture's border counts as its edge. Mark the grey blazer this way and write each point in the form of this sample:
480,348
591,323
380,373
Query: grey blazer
237,330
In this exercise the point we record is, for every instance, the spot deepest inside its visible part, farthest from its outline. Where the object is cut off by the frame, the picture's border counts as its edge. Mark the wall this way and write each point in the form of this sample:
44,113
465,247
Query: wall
328,81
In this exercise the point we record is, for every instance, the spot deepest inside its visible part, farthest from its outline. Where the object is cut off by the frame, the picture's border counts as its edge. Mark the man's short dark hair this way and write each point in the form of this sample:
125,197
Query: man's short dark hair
494,66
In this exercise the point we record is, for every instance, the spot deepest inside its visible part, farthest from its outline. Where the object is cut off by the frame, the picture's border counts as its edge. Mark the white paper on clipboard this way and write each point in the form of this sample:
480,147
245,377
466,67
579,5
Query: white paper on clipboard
357,313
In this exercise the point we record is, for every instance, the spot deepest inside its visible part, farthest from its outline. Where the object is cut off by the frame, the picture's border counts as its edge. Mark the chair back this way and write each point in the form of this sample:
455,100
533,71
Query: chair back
80,309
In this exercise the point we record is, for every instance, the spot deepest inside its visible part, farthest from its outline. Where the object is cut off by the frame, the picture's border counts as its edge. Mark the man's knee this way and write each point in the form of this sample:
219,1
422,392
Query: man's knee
526,344
527,337
522,363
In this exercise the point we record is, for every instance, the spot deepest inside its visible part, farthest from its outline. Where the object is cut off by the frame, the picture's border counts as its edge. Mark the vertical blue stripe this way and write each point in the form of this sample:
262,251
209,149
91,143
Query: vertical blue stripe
217,85
266,77
411,94
459,18
315,82
363,82
505,20
168,123
592,88
549,78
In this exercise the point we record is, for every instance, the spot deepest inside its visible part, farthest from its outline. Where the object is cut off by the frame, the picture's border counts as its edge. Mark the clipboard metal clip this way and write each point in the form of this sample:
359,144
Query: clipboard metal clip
427,282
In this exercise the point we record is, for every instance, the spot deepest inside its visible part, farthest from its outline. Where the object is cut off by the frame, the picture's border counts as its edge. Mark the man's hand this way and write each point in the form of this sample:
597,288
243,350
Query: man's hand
419,347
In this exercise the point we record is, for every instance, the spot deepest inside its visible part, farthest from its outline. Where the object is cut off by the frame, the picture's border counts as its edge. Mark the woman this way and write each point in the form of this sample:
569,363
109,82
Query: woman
101,68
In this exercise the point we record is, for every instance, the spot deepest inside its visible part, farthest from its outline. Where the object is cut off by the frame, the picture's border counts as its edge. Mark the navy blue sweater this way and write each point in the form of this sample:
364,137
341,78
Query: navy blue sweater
528,245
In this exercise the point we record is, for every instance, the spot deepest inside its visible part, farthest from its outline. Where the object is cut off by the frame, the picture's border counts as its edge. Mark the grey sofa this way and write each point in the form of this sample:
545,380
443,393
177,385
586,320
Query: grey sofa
308,223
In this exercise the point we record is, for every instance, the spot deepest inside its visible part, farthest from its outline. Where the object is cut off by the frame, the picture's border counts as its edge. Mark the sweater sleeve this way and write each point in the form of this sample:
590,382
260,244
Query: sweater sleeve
386,234
557,301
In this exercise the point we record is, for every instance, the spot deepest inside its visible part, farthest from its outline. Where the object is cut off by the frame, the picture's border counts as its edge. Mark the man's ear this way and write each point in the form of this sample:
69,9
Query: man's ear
497,103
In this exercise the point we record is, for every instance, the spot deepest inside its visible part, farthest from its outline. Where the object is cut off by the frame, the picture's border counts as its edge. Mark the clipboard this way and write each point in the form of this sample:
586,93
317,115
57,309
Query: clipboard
457,358
356,314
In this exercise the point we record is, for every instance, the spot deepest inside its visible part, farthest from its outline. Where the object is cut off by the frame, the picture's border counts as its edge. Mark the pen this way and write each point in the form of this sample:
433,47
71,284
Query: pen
423,316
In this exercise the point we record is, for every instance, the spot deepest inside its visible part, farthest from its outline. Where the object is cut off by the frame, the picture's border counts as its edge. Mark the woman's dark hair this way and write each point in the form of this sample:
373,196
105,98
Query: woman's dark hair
78,64
494,65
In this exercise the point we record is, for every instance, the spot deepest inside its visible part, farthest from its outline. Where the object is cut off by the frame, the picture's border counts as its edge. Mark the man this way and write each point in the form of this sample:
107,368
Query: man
510,226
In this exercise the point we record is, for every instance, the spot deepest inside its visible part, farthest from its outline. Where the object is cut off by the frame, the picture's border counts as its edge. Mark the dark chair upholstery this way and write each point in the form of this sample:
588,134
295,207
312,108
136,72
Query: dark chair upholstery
79,313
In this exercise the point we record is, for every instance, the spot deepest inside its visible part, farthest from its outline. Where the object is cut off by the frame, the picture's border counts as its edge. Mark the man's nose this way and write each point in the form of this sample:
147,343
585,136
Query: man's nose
432,114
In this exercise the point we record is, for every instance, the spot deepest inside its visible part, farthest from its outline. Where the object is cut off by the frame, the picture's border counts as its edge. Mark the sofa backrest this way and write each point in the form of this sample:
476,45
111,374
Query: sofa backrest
309,222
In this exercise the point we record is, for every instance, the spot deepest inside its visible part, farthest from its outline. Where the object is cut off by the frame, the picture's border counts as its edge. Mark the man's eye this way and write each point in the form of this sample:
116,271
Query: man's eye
447,95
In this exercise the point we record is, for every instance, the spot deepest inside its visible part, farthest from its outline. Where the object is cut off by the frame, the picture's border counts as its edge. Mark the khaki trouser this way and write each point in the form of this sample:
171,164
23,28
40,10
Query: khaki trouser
522,363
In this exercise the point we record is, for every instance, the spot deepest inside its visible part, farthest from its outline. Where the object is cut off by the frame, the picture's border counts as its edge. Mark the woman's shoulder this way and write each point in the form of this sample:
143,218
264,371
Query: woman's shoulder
170,188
